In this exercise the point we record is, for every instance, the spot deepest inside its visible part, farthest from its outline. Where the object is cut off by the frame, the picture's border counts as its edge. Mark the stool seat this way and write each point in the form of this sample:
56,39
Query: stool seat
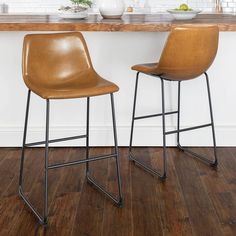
77,87
58,66
187,54
148,68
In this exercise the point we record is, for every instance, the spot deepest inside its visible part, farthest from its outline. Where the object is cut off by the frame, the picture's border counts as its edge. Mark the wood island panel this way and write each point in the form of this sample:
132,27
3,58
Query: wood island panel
128,23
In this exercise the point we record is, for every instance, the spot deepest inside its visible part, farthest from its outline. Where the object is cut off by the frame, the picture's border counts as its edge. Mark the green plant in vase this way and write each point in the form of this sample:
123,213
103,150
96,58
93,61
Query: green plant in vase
81,5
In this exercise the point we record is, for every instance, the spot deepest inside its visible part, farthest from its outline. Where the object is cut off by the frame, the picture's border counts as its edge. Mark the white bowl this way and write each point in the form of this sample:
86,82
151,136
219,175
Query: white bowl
73,15
184,15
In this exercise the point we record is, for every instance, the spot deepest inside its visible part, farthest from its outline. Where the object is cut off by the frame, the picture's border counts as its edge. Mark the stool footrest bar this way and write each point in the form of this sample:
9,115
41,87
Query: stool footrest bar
55,140
188,129
155,115
72,163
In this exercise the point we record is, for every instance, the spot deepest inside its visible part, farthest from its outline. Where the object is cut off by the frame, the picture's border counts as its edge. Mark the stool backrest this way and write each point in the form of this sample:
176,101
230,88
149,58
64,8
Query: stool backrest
189,52
55,59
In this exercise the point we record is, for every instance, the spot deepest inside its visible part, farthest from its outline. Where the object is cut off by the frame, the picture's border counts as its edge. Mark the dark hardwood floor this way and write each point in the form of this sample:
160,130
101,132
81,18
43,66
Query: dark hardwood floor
194,200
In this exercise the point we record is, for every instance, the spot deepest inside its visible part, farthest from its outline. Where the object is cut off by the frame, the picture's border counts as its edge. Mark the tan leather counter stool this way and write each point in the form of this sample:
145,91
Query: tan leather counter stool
188,53
58,66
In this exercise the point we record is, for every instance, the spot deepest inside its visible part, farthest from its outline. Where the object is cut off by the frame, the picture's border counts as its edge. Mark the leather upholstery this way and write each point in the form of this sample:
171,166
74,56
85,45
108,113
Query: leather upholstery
188,52
58,66
149,68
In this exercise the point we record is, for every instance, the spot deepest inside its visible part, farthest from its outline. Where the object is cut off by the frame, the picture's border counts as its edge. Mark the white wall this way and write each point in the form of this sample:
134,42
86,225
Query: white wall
113,54
53,5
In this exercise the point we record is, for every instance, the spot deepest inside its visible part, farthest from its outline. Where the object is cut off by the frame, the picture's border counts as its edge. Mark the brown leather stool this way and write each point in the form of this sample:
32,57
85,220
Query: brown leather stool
58,66
188,53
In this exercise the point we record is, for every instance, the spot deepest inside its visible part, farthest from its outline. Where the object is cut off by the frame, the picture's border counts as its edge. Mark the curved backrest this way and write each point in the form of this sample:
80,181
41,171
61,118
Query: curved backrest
51,59
189,52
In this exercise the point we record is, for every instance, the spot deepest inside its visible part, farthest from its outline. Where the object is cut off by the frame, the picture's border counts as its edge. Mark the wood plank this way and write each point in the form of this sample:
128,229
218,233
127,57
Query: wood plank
89,216
8,169
229,164
201,211
33,168
145,199
66,195
118,221
128,23
173,209
219,193
10,204
34,187
13,206
9,207
3,153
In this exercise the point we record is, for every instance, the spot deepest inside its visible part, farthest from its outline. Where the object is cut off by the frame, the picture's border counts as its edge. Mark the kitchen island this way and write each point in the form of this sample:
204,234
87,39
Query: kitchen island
128,23
115,45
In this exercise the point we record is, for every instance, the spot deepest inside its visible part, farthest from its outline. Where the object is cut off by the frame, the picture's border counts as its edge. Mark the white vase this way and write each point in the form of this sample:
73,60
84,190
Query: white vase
111,9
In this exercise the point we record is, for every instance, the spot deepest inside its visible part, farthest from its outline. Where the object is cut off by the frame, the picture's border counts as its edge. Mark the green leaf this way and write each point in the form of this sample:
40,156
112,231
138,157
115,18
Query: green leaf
87,3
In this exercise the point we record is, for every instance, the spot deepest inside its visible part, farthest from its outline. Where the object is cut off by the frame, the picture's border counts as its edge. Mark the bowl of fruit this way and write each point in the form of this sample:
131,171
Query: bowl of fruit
77,10
184,12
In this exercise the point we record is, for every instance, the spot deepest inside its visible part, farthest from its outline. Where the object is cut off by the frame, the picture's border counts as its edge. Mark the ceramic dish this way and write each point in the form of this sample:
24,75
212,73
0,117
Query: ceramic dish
73,15
184,15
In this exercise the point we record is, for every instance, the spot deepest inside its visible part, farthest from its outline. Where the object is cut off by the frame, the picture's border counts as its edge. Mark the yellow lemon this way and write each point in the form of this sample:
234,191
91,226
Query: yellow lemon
183,7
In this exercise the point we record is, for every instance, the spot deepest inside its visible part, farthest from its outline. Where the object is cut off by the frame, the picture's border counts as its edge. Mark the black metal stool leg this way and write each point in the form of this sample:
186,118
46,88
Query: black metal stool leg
215,162
203,158
42,219
116,150
119,200
178,116
87,136
162,176
133,116
24,142
46,163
